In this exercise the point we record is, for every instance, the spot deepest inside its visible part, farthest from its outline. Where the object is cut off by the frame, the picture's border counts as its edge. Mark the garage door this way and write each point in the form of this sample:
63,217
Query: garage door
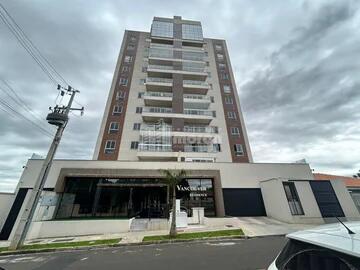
243,202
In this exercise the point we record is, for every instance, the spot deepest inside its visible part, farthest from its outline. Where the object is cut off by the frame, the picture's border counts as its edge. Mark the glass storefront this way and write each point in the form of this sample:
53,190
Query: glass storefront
130,197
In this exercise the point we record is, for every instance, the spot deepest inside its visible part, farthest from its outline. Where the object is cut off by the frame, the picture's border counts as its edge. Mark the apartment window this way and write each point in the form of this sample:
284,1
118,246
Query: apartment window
235,131
140,94
220,56
131,47
132,38
238,150
162,29
134,145
128,59
222,66
224,76
209,74
123,81
143,69
216,147
138,109
207,63
142,81
206,53
293,199
212,99
227,88
218,47
120,95
110,146
114,127
117,110
229,100
136,126
125,69
231,115
191,31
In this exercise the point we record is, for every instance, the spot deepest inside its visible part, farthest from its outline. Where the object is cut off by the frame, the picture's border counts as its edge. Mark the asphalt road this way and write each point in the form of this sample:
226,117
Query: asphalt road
255,253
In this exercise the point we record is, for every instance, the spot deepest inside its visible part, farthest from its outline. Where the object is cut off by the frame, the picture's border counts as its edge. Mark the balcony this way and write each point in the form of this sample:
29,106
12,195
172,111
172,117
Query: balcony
158,98
158,84
166,56
187,71
200,148
192,101
153,114
156,152
195,87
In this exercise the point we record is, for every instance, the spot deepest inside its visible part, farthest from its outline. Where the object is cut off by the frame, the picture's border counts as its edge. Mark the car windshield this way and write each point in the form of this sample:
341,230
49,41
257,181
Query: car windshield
298,255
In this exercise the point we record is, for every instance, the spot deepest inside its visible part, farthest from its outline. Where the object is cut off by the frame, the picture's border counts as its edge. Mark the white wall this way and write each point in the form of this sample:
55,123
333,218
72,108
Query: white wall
345,200
233,175
58,228
6,201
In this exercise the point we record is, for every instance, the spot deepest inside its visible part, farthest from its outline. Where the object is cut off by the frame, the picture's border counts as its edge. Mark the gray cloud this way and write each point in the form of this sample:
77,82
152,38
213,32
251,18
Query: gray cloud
294,63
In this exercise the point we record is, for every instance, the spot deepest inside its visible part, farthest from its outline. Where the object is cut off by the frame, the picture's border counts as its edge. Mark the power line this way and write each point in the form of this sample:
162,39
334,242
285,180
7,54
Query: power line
30,47
18,100
13,111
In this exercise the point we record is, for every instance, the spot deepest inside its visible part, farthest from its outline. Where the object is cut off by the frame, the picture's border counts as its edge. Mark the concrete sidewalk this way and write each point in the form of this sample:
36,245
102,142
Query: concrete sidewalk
252,226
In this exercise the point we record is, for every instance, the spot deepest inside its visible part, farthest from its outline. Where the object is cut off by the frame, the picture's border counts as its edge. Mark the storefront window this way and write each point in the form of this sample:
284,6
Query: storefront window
197,193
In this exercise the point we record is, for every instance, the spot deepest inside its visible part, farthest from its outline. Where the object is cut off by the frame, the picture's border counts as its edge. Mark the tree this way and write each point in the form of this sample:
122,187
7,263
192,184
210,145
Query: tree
172,179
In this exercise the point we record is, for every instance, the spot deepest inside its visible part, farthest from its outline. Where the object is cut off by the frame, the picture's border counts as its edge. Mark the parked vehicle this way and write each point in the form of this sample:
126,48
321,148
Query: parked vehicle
332,246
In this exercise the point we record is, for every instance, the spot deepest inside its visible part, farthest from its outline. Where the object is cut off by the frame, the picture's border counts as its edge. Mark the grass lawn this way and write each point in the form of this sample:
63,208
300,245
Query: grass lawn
68,244
196,235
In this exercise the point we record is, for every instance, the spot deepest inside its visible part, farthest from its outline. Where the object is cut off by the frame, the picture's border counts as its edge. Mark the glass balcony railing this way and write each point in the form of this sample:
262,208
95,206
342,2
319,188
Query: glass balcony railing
158,94
157,110
155,127
185,68
163,67
158,80
193,82
200,129
199,112
199,148
199,97
155,147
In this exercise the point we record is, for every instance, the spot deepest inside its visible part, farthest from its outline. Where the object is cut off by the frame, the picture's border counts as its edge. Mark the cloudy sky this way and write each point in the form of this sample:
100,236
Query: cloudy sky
296,65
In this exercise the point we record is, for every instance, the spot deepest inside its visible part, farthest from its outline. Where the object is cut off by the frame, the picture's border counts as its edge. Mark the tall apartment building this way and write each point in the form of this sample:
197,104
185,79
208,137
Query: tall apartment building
172,105
173,98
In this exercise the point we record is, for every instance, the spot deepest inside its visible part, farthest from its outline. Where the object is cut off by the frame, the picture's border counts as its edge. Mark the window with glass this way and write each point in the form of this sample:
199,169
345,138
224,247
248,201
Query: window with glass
123,81
231,115
218,47
235,131
128,59
293,198
134,145
110,146
114,127
136,126
138,109
120,95
162,29
220,56
238,149
117,110
192,32
228,100
197,193
227,88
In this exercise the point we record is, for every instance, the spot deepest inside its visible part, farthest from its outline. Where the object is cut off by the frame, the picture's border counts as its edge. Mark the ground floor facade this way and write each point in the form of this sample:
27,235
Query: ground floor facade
112,195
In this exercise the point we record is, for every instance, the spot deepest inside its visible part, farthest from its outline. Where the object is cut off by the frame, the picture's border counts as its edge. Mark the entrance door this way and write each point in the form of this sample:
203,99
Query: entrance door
149,202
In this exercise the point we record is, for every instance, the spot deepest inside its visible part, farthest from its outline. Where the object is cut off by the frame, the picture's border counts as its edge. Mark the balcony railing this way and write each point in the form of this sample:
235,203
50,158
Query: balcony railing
156,127
157,94
185,68
199,129
155,147
199,148
158,80
157,110
193,82
200,97
199,112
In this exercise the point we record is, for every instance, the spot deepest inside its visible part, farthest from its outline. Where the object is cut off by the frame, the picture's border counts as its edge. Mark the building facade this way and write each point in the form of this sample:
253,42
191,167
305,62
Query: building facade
173,105
173,97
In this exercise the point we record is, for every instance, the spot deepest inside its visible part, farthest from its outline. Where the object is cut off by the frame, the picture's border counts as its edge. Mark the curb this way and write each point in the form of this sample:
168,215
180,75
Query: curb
147,243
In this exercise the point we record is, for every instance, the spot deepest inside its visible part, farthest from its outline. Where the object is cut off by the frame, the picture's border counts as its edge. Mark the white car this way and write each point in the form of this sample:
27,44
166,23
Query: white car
331,246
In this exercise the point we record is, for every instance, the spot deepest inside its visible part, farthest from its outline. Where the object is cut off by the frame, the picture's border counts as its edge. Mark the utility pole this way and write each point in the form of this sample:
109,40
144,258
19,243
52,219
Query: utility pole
59,117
